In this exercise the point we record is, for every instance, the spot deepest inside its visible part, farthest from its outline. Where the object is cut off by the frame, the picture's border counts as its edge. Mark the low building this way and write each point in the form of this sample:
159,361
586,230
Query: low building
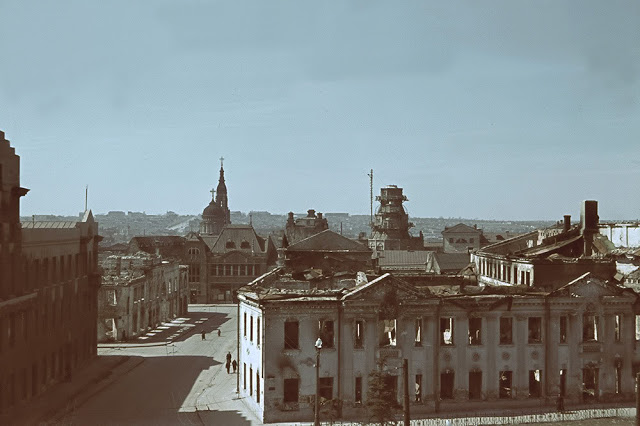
492,348
550,257
138,293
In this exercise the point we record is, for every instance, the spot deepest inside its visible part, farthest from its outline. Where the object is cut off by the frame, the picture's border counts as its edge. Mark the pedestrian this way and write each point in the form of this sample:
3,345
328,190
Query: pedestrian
218,332
203,338
228,357
234,364
228,365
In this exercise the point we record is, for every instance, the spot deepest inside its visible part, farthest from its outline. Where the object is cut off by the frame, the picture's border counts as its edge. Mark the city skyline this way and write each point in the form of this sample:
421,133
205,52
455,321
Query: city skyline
500,111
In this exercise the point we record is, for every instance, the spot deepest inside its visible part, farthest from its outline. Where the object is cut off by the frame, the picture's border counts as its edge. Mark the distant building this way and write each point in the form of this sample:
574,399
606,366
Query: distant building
303,227
461,238
217,214
549,257
139,292
49,280
390,229
167,246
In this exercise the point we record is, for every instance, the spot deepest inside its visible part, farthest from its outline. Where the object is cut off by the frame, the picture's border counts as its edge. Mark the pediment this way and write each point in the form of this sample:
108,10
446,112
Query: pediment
384,288
590,287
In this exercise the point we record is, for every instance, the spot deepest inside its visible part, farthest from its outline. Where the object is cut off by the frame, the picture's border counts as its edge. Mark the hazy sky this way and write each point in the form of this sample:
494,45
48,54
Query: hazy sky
493,109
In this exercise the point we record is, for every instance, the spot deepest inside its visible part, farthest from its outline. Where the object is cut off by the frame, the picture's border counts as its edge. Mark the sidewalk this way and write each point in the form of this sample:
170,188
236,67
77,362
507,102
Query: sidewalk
63,397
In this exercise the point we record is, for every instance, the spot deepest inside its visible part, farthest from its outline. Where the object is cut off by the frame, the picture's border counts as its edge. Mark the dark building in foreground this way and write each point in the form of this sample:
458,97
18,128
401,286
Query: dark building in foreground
49,280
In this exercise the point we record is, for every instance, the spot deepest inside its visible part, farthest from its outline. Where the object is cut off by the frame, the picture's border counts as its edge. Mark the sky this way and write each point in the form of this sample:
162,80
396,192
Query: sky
492,110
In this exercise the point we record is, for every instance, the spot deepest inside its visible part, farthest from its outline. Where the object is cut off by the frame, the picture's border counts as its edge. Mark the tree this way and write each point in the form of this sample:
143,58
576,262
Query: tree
381,397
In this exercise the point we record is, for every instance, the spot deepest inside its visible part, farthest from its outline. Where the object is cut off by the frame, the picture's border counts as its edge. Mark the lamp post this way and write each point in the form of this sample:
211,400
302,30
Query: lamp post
316,414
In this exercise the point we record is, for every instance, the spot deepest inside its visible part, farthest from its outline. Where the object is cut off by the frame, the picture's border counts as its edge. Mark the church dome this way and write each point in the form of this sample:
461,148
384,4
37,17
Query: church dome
213,210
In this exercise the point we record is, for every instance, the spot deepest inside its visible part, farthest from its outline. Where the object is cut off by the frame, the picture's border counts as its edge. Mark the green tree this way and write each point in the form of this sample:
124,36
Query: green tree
381,397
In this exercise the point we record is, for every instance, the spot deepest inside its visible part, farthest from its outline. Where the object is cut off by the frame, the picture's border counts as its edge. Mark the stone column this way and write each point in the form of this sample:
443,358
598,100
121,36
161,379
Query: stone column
628,338
520,380
491,341
461,341
429,324
574,367
551,342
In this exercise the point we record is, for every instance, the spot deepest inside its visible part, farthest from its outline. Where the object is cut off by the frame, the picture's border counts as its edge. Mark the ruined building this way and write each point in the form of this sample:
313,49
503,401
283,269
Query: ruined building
49,279
548,258
390,228
304,227
138,293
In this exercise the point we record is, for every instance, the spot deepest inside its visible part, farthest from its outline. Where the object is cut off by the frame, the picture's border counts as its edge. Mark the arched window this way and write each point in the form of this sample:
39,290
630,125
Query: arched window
245,245
230,244
193,251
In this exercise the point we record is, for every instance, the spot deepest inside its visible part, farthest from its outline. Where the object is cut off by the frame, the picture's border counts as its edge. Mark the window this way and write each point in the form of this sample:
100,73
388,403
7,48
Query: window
325,388
244,316
250,380
563,329
618,373
506,330
617,327
475,385
475,327
505,385
358,394
446,385
358,339
193,251
230,244
244,375
388,336
418,388
535,329
111,298
258,386
446,331
535,389
291,335
245,245
291,390
590,384
391,383
325,330
258,331
418,332
251,328
194,273
589,328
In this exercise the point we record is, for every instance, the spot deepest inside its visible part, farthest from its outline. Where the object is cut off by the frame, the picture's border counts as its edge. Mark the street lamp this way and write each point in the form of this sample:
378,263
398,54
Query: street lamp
316,418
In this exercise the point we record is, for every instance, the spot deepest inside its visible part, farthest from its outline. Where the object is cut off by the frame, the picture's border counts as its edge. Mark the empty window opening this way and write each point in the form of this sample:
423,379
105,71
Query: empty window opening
358,394
244,376
535,389
589,327
230,245
358,339
475,328
245,245
388,337
446,331
291,334
251,381
244,318
475,385
505,384
637,327
418,388
563,329
590,384
563,382
418,332
258,331
535,329
617,328
391,383
325,388
251,328
506,330
258,386
291,390
325,331
446,385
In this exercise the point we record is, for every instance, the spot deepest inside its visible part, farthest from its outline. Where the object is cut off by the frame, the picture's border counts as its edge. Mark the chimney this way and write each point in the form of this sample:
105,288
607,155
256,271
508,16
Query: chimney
311,213
290,218
475,226
588,224
567,223
319,215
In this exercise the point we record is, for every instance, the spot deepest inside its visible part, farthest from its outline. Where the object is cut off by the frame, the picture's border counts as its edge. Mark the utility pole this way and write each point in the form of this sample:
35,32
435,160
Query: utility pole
405,376
371,196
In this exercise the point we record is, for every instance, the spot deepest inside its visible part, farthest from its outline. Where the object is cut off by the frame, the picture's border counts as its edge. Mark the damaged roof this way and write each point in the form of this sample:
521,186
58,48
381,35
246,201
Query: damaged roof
328,241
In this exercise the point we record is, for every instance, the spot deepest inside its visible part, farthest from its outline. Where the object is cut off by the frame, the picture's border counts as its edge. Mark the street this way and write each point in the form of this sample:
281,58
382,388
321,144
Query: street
182,383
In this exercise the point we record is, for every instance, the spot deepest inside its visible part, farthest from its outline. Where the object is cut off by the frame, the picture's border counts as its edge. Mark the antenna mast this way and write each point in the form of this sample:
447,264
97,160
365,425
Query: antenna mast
86,197
371,195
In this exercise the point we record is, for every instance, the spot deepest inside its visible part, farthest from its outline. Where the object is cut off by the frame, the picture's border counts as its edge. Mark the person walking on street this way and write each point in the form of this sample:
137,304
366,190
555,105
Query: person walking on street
228,357
228,365
218,332
203,338
234,364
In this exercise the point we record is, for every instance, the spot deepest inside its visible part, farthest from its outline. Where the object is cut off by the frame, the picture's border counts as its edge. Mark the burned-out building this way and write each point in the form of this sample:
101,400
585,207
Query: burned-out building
300,228
390,227
139,292
49,280
550,257
490,348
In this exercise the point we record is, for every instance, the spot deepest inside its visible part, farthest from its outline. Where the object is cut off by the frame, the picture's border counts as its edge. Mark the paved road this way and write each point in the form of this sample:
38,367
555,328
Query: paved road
184,383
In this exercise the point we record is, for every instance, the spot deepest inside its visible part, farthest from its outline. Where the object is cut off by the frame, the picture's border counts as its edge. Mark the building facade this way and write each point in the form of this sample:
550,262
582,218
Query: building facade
390,227
138,293
489,349
461,238
49,280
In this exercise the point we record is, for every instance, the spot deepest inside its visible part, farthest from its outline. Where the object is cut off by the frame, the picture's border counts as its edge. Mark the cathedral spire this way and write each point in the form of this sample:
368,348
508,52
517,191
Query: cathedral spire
222,198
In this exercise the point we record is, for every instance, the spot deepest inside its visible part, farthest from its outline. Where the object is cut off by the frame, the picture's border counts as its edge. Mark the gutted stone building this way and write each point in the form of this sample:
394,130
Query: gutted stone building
298,229
138,293
49,280
548,258
489,348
